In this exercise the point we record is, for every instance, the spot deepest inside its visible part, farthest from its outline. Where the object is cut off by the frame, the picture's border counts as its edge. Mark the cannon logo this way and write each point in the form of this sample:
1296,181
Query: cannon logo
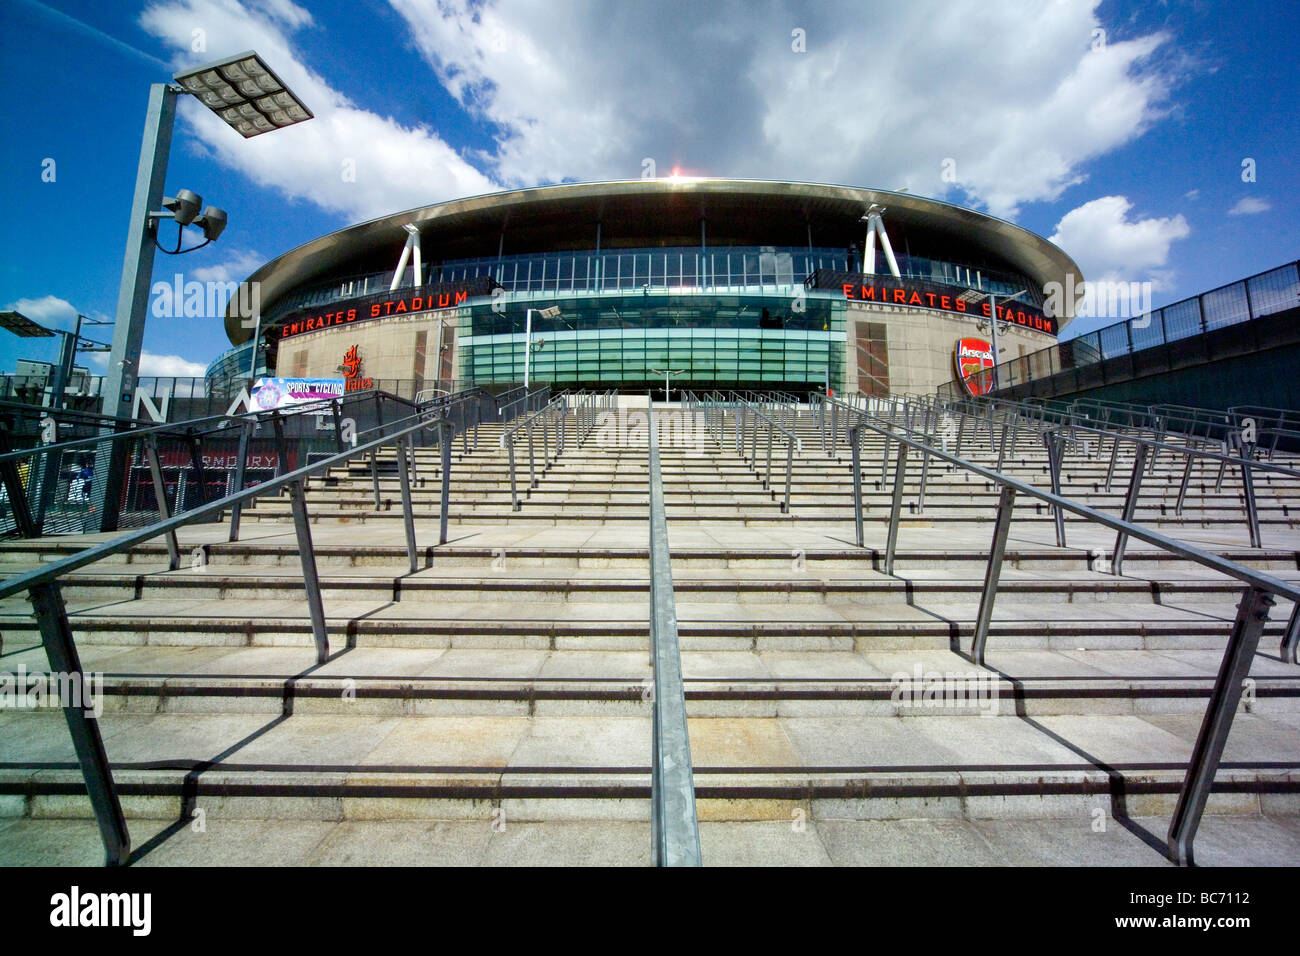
971,356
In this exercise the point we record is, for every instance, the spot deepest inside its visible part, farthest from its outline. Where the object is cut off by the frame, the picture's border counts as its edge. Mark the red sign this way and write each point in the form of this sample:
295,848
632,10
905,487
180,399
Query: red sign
920,294
351,368
395,306
971,356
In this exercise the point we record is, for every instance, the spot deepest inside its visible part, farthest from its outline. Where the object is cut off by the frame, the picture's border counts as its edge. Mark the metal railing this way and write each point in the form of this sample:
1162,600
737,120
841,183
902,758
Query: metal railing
1259,594
42,584
550,421
748,421
674,826
1245,300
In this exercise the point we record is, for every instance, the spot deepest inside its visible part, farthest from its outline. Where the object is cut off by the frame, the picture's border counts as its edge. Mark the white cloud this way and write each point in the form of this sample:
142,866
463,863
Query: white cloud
49,311
1109,247
347,160
152,364
236,267
1249,206
1012,93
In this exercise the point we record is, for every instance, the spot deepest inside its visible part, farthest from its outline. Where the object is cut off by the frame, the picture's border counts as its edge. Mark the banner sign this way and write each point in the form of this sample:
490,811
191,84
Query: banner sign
269,393
919,294
429,298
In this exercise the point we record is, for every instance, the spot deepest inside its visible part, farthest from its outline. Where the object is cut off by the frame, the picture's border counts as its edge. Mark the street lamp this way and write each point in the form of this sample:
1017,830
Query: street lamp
972,295
22,326
247,95
550,312
667,374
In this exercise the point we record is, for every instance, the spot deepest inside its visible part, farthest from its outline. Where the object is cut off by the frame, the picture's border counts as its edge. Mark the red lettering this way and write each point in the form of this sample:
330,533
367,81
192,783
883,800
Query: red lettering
1020,318
930,296
417,304
388,307
900,296
444,300
401,306
374,311
869,292
984,308
352,315
945,302
461,297
958,304
915,299
848,291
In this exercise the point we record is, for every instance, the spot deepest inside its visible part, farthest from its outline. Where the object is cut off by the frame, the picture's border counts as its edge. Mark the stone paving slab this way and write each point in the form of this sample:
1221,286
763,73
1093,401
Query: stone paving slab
1221,841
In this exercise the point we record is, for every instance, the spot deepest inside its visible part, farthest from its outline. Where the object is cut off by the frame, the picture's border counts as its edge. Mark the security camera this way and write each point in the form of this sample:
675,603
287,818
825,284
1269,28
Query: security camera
213,222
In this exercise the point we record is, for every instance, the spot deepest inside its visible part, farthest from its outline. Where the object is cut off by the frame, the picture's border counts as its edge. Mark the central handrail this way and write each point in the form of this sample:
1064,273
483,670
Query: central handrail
675,829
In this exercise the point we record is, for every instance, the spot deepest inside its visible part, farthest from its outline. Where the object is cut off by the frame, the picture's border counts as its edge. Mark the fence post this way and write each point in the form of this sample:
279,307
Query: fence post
61,650
1130,506
237,508
854,433
1252,614
900,472
160,496
992,573
306,552
444,440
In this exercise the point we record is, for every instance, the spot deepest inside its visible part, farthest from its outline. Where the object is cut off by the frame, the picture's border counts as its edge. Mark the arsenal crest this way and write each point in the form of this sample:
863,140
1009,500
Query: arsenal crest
969,357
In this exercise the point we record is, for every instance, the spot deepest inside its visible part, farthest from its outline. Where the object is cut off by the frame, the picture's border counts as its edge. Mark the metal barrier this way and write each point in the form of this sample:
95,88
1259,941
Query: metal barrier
56,633
675,830
1258,596
748,420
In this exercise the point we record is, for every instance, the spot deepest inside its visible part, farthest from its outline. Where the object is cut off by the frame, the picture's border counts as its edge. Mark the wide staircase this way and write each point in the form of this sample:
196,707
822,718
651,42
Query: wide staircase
494,705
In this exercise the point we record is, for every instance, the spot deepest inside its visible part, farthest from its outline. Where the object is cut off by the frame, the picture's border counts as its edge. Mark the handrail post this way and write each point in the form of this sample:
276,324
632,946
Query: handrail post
236,510
514,490
900,472
306,552
408,516
675,829
1130,506
444,500
993,572
61,650
1291,638
160,496
1248,488
854,433
1182,488
1055,446
1252,614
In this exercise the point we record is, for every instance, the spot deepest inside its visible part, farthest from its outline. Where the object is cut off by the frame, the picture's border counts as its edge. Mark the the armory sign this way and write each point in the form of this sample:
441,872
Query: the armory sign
919,294
443,295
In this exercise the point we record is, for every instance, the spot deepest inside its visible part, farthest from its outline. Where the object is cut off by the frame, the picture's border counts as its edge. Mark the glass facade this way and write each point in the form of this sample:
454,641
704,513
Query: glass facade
787,340
722,269
232,366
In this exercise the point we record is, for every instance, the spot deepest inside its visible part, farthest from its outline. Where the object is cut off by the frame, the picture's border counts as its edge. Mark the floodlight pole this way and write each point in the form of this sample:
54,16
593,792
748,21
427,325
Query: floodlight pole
993,309
133,296
528,347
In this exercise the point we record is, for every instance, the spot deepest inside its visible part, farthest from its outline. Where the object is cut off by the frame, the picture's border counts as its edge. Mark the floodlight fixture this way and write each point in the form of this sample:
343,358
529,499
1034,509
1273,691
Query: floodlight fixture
184,207
20,325
212,222
246,94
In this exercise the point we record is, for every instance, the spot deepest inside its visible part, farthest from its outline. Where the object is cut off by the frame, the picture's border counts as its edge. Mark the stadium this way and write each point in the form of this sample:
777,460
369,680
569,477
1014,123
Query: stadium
724,283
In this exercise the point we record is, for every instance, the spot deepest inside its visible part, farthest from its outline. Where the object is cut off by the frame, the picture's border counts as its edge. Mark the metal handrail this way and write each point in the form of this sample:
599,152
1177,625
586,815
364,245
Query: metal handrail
552,414
1260,593
60,645
793,444
674,825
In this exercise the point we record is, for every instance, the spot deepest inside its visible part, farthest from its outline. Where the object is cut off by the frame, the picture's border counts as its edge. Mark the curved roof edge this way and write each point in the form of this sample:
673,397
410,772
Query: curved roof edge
1035,256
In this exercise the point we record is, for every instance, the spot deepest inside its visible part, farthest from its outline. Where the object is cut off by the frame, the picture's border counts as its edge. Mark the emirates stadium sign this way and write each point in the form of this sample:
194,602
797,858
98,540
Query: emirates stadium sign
971,357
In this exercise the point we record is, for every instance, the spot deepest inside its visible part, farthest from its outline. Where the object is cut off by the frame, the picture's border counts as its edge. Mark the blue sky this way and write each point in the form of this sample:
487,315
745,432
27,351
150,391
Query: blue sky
1126,146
